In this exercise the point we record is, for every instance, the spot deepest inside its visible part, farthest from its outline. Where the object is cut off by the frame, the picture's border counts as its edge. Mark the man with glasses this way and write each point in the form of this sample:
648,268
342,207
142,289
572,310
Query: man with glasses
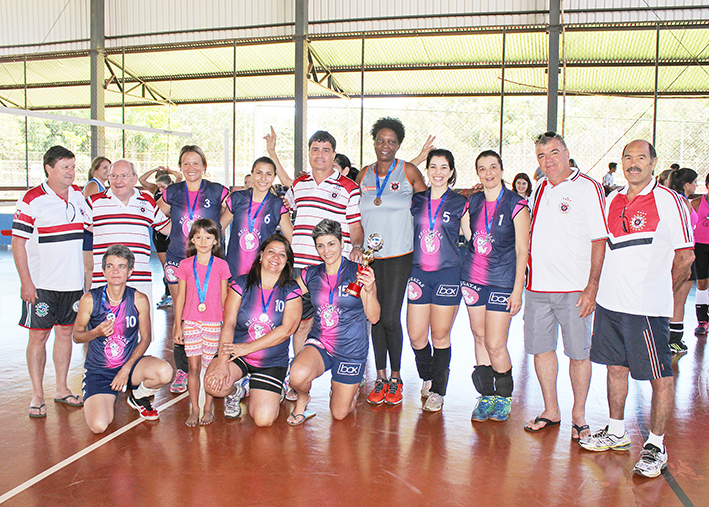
649,251
124,215
567,243
47,235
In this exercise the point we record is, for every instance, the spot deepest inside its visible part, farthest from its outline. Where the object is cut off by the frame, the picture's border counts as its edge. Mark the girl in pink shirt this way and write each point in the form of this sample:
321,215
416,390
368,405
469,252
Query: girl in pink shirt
201,290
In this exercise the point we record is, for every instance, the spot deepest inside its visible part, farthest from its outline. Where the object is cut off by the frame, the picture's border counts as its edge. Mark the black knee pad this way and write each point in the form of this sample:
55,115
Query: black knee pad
503,384
483,380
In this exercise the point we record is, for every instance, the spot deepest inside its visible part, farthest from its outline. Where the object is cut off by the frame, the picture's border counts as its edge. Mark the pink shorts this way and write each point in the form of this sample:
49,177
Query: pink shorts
201,338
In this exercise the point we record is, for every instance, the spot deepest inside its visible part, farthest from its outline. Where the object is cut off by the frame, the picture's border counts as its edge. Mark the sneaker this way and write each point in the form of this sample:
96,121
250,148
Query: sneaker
482,410
232,403
434,402
381,387
702,328
602,441
678,347
652,461
165,302
179,385
245,384
143,406
501,409
394,394
426,388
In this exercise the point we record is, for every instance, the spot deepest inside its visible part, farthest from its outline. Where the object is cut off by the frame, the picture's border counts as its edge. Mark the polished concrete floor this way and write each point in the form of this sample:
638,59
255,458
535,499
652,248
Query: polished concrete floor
383,456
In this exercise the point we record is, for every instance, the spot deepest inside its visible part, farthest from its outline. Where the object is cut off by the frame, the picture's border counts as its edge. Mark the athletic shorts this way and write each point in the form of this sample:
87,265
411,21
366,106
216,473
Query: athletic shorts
434,287
344,371
308,310
170,270
160,241
544,313
99,381
271,378
494,299
88,244
201,339
701,253
52,308
635,341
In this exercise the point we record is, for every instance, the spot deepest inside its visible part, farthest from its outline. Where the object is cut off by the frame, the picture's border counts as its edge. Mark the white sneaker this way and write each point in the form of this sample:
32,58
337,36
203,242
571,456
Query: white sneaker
426,388
232,403
603,441
652,461
434,403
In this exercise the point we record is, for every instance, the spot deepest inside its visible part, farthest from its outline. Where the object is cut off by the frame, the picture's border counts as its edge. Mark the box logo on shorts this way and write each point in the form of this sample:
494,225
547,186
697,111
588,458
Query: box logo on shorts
498,298
349,369
447,291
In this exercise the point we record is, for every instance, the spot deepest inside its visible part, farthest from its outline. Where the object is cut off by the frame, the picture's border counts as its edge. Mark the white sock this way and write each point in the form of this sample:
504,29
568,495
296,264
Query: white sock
702,297
656,440
616,427
141,391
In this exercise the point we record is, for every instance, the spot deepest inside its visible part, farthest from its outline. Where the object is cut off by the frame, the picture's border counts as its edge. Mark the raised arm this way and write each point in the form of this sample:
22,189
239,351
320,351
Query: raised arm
271,150
425,149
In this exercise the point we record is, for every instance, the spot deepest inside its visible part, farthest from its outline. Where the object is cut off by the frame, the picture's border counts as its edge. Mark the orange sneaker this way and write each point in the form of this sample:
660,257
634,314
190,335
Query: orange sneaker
393,395
381,387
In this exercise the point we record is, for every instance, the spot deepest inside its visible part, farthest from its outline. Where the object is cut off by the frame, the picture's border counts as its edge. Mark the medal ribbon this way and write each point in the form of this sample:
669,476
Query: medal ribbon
488,223
432,221
192,206
266,304
104,301
382,186
252,220
202,286
331,293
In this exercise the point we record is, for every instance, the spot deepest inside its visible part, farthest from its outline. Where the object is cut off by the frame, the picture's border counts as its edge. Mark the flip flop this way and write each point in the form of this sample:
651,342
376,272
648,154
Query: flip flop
547,423
39,414
579,430
66,400
300,418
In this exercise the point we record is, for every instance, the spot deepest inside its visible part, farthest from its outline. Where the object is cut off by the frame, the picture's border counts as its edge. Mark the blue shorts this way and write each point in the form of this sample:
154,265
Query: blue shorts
99,381
434,287
636,342
344,371
494,299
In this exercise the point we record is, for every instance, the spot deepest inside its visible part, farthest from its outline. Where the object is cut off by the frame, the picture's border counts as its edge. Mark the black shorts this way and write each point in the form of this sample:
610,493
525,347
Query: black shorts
701,253
267,379
52,308
160,241
637,342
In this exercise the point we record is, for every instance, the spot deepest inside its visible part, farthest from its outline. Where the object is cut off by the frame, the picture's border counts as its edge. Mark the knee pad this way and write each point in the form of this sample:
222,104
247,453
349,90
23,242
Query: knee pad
483,380
503,384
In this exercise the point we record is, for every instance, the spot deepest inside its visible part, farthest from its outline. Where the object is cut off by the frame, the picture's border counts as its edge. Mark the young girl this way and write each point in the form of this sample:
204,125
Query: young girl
201,291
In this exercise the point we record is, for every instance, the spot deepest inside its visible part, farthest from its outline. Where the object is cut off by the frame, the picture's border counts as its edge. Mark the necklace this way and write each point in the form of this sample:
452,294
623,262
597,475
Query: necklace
111,300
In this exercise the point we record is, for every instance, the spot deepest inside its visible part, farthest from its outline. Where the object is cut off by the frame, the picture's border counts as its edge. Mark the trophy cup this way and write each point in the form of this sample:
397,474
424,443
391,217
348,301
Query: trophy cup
374,243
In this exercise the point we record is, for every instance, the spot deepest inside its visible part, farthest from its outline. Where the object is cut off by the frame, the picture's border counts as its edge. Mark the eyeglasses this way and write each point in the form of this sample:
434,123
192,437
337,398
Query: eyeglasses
624,220
550,135
119,176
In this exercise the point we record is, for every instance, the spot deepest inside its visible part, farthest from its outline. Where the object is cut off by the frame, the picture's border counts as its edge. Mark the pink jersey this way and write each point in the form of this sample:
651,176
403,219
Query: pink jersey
701,228
214,311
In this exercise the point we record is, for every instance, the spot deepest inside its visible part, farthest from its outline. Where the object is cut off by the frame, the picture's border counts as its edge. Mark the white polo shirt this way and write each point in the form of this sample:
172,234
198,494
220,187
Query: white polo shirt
637,269
566,219
125,224
54,230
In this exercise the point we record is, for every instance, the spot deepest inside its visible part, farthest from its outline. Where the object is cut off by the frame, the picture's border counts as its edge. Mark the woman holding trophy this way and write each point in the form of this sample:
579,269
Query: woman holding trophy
433,291
338,340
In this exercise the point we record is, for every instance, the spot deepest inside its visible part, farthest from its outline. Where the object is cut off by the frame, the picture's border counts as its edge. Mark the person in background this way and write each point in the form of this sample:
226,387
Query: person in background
344,166
98,178
701,252
522,185
609,179
664,176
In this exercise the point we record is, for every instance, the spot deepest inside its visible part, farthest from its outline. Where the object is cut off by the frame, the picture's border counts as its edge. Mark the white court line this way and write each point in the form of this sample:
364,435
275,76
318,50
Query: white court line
34,480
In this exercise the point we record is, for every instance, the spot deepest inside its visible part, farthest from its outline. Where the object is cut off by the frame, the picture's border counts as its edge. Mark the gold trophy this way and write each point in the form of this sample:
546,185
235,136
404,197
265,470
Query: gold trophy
374,243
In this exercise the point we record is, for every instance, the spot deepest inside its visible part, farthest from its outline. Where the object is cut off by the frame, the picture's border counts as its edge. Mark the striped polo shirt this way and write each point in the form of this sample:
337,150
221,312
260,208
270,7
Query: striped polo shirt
54,230
336,198
129,224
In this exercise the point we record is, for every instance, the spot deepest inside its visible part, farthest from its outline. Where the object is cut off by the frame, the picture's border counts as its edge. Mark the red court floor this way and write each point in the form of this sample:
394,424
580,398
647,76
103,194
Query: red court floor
383,456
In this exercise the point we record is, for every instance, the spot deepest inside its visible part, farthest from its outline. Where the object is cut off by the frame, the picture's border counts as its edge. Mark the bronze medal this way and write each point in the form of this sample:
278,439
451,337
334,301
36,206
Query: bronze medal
377,201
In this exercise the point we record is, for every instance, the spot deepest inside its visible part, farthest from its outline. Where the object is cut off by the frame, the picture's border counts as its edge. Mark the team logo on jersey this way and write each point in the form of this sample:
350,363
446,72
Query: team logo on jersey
41,309
470,295
482,243
565,206
329,317
430,242
349,369
113,350
75,307
187,224
258,328
638,221
447,291
142,209
395,186
17,214
249,241
414,290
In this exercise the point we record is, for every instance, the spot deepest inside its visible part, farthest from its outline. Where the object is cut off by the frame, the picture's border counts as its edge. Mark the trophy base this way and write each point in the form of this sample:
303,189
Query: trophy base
353,289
